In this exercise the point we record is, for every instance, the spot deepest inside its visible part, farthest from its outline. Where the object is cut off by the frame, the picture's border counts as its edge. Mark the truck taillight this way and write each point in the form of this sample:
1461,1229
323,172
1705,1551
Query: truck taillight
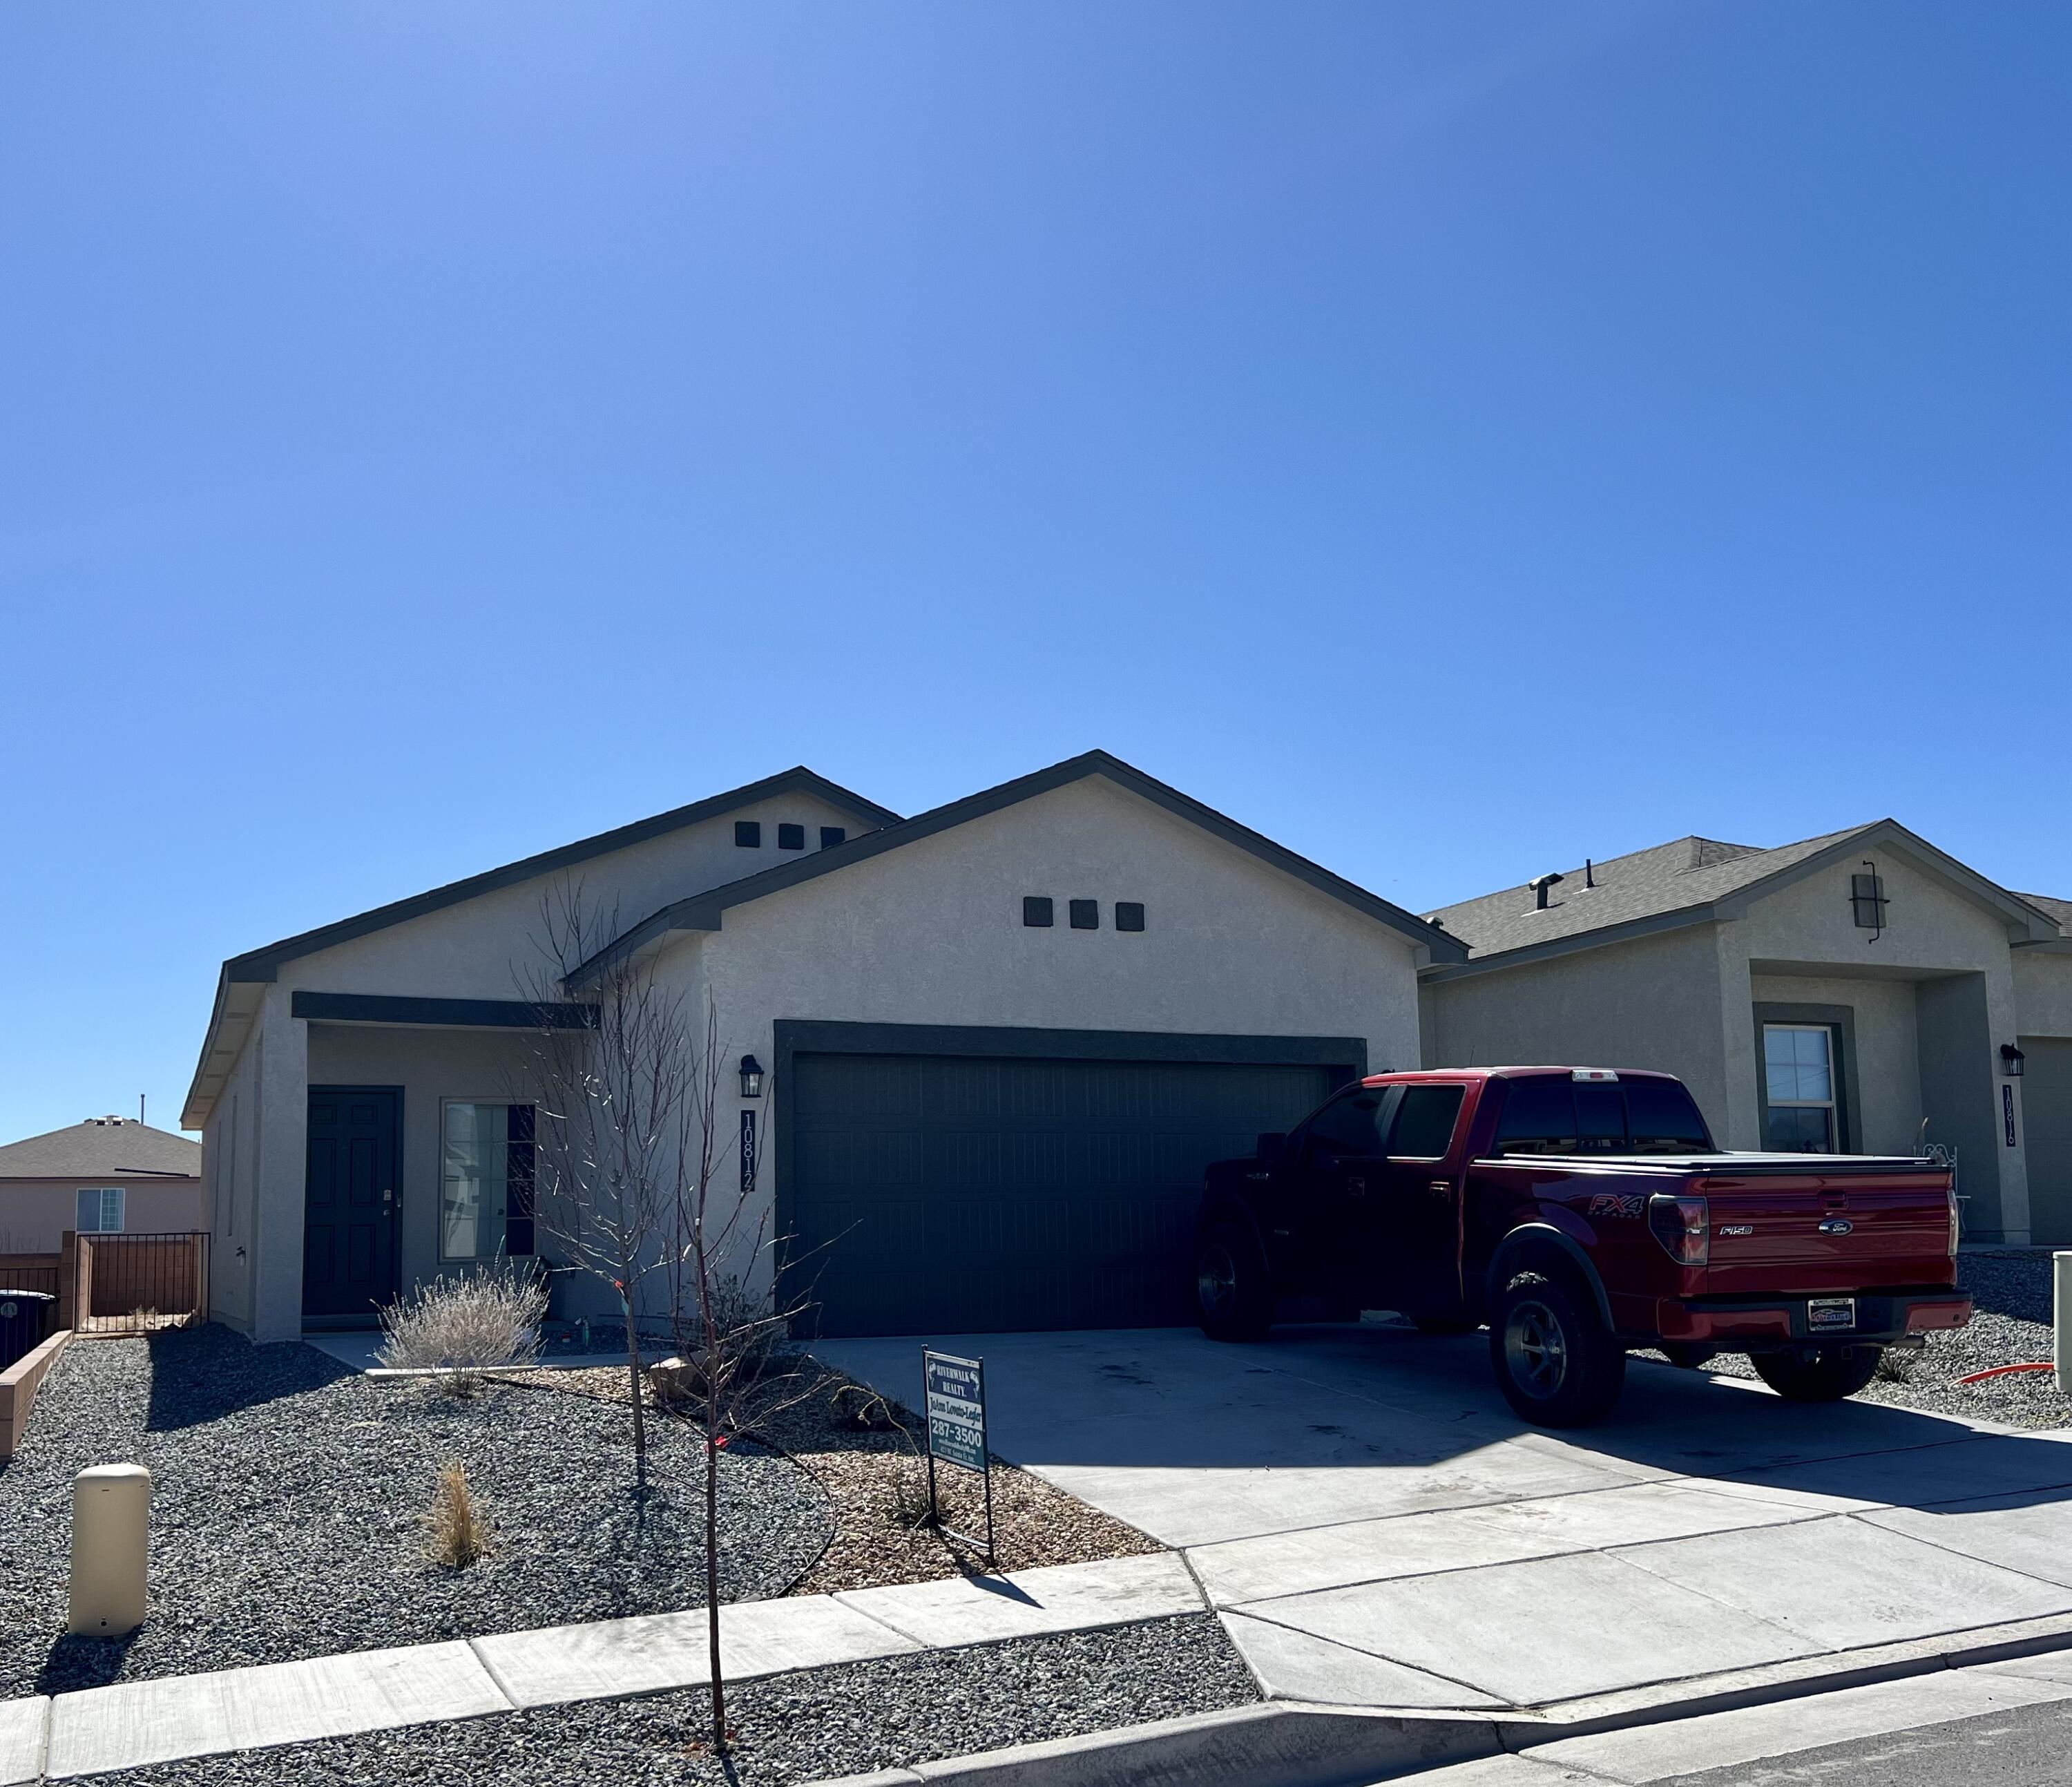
1683,1226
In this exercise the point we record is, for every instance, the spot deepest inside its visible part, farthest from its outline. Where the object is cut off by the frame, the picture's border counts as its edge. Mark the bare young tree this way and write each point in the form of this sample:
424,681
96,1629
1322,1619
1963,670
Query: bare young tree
733,1303
613,1079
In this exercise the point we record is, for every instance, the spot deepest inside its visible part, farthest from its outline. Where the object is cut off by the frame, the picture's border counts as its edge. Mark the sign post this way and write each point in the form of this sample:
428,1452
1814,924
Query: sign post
956,1432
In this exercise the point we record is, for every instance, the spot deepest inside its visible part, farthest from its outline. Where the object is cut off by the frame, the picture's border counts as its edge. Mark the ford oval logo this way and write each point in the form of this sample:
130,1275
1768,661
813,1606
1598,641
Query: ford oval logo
1837,1225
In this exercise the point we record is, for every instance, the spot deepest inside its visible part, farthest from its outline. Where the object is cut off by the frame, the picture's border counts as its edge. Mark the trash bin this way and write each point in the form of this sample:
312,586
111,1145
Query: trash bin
25,1319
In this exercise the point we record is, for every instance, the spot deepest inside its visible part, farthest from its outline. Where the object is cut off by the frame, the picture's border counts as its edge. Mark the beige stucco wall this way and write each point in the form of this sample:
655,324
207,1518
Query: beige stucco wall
1654,1003
35,1212
2043,991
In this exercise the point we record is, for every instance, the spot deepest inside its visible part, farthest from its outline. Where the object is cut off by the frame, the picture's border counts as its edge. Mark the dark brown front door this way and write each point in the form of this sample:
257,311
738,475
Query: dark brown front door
351,1191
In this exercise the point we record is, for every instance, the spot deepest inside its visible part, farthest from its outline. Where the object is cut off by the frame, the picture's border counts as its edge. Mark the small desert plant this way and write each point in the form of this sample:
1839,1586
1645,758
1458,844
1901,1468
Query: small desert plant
1895,1367
456,1528
488,1321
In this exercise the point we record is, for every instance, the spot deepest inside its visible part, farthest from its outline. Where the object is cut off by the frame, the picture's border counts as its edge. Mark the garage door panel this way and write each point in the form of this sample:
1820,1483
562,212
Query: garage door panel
952,1194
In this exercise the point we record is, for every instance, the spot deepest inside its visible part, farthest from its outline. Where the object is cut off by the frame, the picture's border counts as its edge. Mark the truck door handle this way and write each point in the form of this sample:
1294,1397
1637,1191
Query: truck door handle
1443,1187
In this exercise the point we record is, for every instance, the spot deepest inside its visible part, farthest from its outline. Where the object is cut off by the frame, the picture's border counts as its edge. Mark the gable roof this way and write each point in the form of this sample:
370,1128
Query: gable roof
264,964
1690,881
702,911
102,1147
220,1050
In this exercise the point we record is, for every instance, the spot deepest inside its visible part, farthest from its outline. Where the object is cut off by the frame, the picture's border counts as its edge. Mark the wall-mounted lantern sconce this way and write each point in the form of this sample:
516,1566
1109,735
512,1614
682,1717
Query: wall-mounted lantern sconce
2011,1060
751,1077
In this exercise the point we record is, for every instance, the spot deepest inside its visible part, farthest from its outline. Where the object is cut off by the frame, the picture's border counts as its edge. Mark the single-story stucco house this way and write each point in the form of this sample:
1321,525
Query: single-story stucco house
1861,991
106,1176
1002,1038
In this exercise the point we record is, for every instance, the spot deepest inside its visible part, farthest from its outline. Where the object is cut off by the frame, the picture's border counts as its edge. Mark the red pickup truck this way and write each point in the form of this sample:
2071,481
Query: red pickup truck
1580,1212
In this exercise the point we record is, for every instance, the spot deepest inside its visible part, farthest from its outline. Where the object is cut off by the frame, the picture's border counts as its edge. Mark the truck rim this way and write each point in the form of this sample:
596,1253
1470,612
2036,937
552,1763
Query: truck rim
1215,1279
1535,1348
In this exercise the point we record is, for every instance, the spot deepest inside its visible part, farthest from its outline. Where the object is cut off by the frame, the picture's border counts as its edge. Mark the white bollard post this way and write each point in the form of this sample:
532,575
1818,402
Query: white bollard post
2061,1311
111,1507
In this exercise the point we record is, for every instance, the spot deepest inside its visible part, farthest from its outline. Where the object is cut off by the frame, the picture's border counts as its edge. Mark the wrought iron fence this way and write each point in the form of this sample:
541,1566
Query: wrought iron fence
136,1284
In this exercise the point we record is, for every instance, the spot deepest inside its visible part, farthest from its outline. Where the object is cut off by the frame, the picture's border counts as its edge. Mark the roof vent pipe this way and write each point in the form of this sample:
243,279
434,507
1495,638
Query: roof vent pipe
1589,873
1540,884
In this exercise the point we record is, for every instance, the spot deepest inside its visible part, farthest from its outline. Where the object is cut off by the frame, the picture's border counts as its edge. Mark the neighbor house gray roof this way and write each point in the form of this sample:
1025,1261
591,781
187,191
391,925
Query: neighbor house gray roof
1686,881
102,1147
702,911
2059,909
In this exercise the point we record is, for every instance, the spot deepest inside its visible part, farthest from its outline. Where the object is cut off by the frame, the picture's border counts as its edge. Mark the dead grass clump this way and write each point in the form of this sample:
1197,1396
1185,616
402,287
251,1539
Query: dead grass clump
456,1528
488,1321
1895,1366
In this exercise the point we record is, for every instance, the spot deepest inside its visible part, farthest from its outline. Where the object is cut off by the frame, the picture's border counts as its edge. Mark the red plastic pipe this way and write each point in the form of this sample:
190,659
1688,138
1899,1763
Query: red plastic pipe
2001,1371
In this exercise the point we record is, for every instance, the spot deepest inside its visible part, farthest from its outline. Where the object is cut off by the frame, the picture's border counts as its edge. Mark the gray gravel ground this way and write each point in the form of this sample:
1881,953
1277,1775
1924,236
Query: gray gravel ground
788,1728
288,1499
2012,1325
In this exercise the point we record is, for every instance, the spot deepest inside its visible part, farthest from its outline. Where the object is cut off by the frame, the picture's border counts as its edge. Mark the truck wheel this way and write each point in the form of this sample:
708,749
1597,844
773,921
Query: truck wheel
1827,1379
1555,1363
1233,1289
1688,1354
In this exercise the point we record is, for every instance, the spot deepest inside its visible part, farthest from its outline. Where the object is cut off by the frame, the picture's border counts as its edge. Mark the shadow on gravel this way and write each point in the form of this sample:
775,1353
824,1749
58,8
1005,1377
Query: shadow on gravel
76,1661
202,1374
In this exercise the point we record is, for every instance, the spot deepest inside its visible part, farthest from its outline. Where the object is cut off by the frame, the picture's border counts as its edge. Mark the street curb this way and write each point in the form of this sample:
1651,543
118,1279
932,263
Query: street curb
1274,1744
1287,1743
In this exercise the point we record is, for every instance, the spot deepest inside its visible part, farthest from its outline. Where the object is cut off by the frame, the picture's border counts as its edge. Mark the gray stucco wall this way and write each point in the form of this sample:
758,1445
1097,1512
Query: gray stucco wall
1651,1003
1887,1065
2043,991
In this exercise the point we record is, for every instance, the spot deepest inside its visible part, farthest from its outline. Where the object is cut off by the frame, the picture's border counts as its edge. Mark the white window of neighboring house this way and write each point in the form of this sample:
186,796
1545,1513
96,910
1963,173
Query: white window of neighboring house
485,1181
100,1210
1798,1089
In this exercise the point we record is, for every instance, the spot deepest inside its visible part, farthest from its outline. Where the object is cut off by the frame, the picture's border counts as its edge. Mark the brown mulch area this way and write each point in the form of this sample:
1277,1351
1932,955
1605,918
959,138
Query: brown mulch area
870,1455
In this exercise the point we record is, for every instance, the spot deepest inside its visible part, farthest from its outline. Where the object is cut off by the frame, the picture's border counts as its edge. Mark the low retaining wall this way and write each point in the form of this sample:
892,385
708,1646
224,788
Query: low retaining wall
19,1384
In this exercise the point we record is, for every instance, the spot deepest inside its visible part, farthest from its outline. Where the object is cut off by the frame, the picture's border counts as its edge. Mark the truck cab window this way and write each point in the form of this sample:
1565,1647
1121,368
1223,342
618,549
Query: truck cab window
1539,1117
1600,1120
1424,1123
1662,1118
1346,1126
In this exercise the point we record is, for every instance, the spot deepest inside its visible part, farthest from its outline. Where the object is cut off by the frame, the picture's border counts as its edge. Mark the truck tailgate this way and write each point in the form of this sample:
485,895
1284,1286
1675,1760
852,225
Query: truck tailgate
1778,1228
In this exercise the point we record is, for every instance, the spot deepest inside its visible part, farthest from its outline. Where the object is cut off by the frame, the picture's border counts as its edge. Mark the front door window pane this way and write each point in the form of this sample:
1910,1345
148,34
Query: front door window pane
1799,1087
474,1186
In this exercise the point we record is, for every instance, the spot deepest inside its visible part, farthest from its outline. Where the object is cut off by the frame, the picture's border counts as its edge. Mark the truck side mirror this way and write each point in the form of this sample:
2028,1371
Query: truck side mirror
1271,1147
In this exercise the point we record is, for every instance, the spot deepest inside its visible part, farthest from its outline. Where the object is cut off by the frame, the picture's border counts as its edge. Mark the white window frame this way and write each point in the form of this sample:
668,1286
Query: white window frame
101,1225
1831,1104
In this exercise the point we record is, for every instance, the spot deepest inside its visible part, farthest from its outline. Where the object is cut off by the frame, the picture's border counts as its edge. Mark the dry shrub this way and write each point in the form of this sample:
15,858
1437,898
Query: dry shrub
488,1321
456,1530
1895,1366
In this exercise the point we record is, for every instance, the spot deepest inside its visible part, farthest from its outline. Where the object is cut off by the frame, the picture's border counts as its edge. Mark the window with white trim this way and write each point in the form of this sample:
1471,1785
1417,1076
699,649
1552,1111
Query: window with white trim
486,1157
1801,1113
101,1210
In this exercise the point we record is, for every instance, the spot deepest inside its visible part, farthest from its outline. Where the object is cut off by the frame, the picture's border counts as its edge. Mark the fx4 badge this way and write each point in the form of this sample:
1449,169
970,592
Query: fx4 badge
1614,1204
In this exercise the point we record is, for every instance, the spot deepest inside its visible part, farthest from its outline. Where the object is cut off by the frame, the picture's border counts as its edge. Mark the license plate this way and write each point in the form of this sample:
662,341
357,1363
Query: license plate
1826,1312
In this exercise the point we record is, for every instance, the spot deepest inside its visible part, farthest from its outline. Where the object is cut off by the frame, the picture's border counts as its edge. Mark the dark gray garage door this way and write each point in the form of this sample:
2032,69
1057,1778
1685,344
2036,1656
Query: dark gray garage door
2046,1102
948,1195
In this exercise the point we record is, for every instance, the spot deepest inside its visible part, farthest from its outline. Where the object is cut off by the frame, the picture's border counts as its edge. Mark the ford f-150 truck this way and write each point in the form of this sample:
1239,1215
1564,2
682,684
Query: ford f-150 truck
1580,1212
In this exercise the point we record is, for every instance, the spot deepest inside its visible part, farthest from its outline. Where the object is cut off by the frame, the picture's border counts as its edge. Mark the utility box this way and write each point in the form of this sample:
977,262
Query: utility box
25,1319
111,1512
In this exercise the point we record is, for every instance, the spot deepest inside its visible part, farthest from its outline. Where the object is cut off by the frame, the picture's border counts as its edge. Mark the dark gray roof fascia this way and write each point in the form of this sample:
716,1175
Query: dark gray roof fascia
265,964
702,911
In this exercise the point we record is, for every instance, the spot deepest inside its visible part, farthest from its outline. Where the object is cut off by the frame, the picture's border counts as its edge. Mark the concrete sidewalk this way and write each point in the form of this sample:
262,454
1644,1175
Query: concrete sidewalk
133,1723
1377,1529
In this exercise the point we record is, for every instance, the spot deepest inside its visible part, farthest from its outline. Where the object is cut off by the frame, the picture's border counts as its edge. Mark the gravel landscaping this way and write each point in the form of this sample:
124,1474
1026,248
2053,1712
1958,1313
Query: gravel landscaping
289,1498
2012,1326
801,1728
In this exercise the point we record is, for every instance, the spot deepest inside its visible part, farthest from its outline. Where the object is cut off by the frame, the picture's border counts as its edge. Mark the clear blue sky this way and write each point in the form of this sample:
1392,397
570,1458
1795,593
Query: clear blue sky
1453,439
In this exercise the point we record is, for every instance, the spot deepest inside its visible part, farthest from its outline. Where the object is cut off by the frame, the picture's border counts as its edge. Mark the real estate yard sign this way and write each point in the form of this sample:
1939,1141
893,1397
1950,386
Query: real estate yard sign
956,1391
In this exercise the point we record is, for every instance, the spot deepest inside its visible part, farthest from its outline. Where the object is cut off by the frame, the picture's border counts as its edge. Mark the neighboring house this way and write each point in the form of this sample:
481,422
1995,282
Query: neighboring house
1003,1037
1859,991
108,1175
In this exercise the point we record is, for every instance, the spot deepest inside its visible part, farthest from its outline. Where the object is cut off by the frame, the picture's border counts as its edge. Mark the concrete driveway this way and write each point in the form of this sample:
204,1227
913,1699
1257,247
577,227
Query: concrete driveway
1377,1528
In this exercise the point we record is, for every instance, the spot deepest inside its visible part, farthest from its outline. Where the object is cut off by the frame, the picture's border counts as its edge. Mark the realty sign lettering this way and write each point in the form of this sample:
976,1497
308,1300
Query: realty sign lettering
956,1409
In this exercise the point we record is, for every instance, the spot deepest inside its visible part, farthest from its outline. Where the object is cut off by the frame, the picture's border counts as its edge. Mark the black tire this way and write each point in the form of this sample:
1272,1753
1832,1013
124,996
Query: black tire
1827,1378
1233,1286
1556,1362
1688,1354
1444,1325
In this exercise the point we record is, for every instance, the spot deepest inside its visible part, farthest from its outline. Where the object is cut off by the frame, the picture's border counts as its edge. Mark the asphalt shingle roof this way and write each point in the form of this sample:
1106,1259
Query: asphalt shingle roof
2059,909
1691,871
102,1147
